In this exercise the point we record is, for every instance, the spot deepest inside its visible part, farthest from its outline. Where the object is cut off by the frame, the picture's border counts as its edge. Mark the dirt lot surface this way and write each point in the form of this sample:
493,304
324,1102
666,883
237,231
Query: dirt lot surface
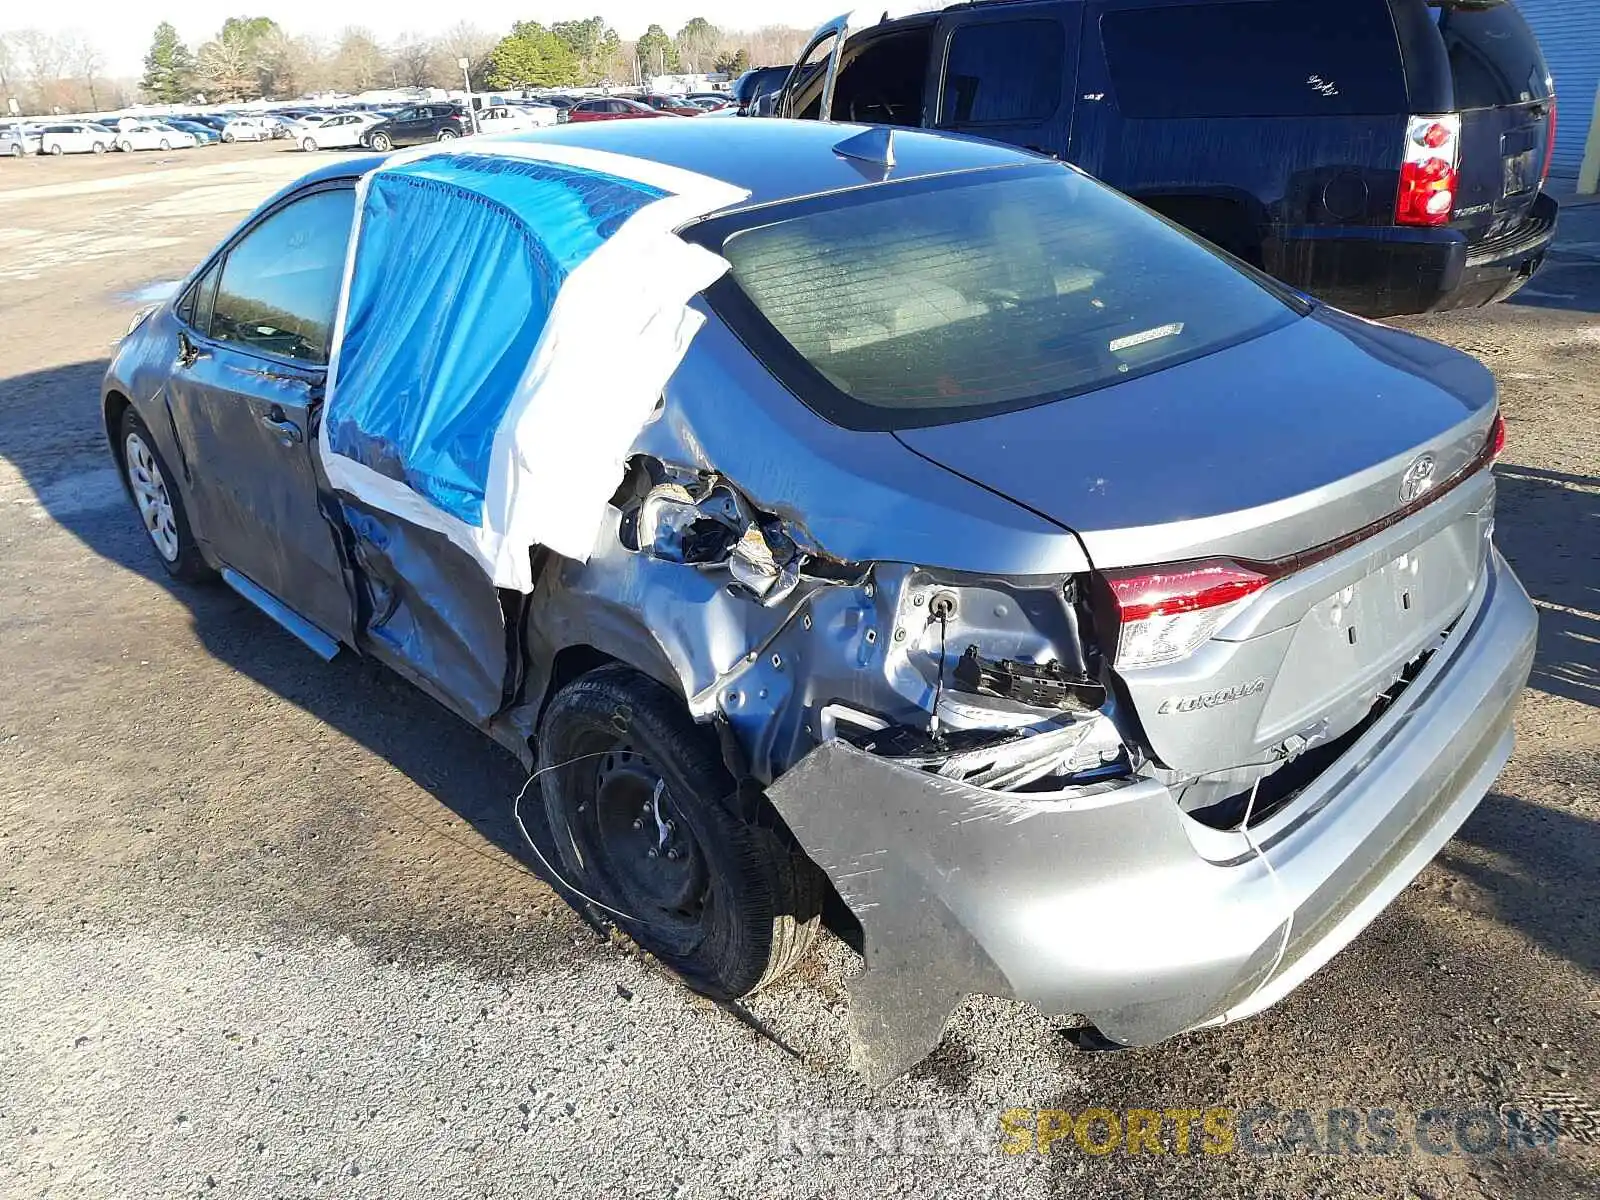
266,929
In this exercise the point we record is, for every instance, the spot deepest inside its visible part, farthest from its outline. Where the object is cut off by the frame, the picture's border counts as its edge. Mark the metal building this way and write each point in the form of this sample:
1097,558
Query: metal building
1569,31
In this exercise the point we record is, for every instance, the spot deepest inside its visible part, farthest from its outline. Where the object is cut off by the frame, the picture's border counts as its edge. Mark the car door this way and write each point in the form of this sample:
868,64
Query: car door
1008,73
248,371
406,125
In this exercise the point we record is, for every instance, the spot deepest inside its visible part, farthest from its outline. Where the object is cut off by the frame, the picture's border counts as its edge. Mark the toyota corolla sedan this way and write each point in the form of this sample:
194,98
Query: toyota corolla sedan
823,509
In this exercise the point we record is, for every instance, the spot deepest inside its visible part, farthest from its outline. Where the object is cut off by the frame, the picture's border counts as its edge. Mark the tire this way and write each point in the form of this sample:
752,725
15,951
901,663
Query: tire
309,145
17,150
736,907
56,149
165,145
125,147
448,135
382,143
99,147
159,505
227,137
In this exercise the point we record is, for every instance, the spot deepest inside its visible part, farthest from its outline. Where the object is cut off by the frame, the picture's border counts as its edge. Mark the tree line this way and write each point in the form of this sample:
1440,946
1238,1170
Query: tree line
254,57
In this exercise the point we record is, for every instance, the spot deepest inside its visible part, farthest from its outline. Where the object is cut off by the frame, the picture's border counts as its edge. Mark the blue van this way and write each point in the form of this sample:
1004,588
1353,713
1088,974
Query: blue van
1387,156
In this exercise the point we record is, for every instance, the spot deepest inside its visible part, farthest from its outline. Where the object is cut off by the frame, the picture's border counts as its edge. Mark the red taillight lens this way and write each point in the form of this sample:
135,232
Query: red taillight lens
1497,438
1164,614
1428,174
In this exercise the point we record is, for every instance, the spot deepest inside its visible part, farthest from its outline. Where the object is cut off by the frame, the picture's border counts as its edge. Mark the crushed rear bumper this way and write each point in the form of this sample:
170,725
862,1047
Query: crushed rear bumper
1111,902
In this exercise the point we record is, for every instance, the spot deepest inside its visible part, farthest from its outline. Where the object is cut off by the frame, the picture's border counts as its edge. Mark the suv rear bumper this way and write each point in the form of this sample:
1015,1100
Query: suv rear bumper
1391,272
1111,902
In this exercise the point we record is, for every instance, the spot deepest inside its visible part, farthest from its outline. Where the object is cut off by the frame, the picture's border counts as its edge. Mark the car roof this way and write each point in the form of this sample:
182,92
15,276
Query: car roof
778,160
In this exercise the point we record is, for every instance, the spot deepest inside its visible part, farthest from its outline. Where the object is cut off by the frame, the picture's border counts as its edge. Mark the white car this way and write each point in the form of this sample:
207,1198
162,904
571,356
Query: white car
337,131
18,140
509,118
76,137
249,129
149,135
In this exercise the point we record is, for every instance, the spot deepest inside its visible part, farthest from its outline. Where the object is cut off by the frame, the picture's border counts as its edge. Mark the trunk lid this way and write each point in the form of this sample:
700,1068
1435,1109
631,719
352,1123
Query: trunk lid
1298,441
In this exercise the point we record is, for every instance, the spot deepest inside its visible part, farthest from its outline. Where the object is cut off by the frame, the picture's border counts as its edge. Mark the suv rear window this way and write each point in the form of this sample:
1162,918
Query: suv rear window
940,300
1494,57
1288,58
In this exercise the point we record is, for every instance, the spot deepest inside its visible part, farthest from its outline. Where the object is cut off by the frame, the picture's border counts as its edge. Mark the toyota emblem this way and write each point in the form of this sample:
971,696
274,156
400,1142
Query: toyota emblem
1417,479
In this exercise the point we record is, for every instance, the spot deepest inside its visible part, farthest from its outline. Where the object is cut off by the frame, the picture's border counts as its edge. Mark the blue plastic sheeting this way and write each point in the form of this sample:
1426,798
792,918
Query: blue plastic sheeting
458,264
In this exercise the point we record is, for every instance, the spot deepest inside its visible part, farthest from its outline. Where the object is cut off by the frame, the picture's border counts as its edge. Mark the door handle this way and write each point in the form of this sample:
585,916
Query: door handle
288,432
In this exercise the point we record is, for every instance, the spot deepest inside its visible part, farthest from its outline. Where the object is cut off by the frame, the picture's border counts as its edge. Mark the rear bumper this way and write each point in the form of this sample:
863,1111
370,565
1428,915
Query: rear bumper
1113,903
1391,272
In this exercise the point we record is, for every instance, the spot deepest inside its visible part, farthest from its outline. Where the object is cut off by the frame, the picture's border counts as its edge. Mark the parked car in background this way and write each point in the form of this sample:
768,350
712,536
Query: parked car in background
420,123
75,137
757,85
677,105
611,108
512,118
18,140
249,129
710,103
1385,155
338,132
204,134
151,135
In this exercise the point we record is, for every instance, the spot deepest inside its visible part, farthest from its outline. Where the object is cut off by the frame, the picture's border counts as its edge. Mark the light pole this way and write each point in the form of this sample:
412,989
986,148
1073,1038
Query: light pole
466,78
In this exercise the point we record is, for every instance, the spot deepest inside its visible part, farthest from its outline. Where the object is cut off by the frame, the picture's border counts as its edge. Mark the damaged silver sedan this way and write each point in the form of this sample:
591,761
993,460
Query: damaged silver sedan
898,520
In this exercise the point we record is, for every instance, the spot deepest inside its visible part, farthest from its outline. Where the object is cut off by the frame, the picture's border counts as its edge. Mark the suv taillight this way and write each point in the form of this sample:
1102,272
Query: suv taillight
1550,143
1428,176
1164,613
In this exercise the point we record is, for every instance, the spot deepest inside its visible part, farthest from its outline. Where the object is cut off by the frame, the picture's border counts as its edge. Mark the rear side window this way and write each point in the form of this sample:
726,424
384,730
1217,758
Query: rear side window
924,303
1289,58
1002,72
1494,57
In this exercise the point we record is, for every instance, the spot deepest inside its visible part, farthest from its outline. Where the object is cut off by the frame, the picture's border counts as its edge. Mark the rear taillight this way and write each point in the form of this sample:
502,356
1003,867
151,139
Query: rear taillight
1428,176
1163,614
1549,143
1497,438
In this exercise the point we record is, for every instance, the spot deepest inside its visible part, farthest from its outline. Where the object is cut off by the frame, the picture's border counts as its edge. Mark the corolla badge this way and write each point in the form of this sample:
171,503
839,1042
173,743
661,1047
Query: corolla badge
1419,477
1227,695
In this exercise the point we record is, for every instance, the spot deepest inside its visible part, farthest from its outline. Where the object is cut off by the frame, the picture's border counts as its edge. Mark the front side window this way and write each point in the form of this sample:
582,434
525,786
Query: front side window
280,284
1003,71
1255,58
937,301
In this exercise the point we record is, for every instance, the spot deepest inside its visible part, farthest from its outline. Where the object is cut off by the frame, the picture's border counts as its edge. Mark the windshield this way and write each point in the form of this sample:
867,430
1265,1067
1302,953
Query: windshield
938,301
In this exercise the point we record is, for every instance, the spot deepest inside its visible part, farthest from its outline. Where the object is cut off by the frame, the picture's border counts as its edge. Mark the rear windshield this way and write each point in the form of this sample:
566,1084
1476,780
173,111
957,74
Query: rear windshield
929,302
1494,57
1291,58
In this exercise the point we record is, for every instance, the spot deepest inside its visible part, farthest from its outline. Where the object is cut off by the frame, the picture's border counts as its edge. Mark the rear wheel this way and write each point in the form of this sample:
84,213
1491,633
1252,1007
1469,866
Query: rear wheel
99,147
166,145
642,809
448,135
157,502
16,150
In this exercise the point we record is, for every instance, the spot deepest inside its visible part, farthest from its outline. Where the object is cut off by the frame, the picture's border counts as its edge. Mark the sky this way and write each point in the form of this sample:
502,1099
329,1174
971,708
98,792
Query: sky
122,30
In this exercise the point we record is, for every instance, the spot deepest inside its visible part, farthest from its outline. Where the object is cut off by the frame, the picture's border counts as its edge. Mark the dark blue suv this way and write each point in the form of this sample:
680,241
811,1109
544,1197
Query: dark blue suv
1388,156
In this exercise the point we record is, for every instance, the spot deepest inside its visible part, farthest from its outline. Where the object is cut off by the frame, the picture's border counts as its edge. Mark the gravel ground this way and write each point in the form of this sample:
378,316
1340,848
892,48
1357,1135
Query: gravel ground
267,929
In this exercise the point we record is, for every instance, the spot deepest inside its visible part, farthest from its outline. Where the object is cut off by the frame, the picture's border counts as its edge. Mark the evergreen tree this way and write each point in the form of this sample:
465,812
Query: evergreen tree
168,68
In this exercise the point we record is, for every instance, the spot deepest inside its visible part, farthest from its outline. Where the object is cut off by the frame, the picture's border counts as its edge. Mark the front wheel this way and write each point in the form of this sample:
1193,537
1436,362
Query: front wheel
125,147
381,143
308,144
166,145
227,137
16,150
649,822
56,149
157,502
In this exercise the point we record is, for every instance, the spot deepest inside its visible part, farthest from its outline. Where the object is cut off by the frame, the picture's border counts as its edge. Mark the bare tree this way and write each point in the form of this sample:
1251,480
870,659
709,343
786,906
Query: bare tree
84,64
411,60
463,40
359,62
